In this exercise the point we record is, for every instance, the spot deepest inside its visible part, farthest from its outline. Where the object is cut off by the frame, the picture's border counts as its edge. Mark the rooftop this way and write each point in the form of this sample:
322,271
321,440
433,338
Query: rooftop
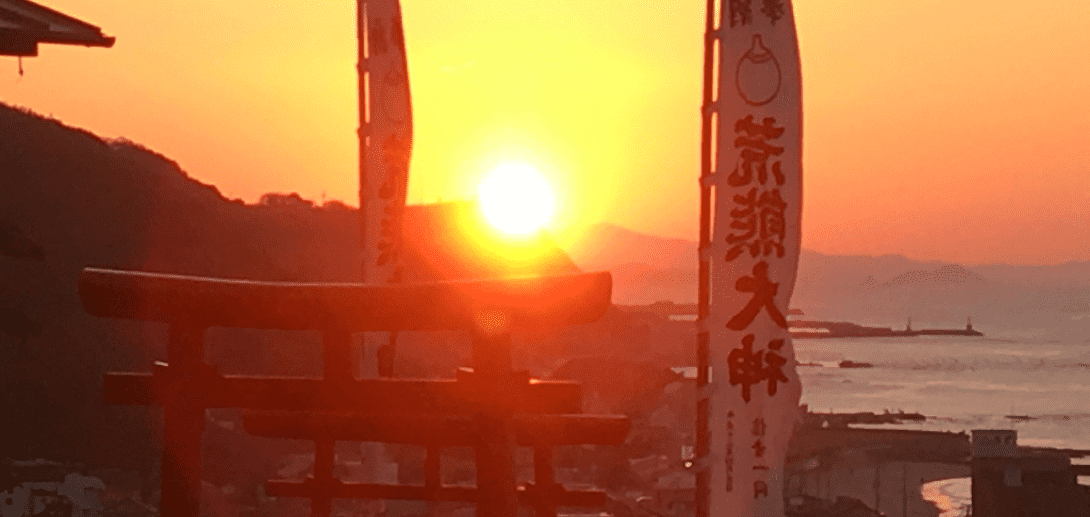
25,24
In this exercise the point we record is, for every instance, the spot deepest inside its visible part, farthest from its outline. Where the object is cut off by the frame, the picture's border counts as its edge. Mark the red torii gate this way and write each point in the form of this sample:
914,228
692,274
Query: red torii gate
489,407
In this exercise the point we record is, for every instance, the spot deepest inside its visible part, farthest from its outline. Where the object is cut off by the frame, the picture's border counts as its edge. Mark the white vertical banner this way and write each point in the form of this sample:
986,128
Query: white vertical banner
385,149
384,179
386,135
754,252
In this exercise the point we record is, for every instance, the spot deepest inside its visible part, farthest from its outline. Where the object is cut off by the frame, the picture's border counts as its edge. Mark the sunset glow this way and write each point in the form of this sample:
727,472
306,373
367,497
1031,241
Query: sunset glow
516,199
953,131
731,257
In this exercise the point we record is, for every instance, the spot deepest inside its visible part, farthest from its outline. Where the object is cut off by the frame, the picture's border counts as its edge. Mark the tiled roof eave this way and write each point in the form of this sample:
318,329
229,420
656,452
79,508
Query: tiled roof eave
100,41
35,20
38,36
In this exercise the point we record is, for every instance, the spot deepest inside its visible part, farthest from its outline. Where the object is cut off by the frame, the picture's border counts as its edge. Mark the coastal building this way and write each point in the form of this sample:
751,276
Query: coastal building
882,468
1009,481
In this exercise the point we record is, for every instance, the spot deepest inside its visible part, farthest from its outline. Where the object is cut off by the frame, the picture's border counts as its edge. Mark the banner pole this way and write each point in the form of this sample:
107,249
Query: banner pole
702,447
364,129
373,452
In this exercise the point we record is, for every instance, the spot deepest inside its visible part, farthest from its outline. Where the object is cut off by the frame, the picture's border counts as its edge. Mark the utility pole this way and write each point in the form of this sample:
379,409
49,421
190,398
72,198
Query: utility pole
364,129
877,486
904,490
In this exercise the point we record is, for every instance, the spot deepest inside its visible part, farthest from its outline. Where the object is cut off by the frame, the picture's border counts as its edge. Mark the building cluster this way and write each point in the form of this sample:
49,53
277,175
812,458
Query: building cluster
1013,481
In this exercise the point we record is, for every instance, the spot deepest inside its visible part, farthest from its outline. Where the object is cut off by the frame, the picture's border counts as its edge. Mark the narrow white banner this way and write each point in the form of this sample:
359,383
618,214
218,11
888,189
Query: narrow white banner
754,257
385,177
384,180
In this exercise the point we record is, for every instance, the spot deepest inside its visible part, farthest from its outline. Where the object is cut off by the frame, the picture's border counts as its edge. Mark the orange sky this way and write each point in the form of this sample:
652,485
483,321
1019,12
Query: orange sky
933,129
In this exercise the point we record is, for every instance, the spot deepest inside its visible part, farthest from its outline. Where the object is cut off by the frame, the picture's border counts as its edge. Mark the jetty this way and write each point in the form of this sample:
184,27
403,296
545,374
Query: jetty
810,329
806,329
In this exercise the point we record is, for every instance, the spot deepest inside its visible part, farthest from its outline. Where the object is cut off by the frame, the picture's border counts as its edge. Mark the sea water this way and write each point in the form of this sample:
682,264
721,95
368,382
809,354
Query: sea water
960,384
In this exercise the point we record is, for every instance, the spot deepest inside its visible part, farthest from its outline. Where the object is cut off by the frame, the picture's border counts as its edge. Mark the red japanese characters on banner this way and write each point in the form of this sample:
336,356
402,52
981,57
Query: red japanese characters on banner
751,257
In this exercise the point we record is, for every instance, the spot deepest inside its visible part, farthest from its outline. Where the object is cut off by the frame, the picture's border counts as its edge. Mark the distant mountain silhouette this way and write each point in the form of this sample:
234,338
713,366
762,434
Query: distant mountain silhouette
649,268
608,247
883,290
948,274
1074,272
611,247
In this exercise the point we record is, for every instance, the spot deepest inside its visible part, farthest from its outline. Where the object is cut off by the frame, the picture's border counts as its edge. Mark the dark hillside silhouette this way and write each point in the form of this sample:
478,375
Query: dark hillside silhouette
15,244
69,199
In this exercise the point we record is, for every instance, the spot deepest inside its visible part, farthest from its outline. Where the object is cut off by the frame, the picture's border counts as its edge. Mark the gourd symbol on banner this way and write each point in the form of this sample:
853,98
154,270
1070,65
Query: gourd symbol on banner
758,74
752,258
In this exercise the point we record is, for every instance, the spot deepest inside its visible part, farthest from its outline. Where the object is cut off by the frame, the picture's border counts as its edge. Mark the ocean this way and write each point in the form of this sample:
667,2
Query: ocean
960,384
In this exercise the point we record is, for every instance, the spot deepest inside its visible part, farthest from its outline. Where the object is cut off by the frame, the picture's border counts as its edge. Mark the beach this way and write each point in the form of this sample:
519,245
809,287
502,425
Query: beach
1039,387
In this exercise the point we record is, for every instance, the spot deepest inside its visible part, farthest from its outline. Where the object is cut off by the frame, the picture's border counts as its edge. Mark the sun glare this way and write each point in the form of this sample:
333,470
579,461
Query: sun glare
516,200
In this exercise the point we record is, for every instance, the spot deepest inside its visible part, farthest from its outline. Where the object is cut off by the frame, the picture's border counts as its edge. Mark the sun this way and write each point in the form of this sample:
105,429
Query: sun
516,200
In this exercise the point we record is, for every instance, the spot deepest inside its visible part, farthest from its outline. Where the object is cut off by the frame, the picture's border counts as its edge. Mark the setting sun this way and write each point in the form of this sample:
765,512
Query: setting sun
516,199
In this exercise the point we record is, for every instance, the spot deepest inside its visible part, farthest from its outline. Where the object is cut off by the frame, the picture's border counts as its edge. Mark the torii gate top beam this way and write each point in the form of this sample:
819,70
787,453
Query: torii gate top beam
490,306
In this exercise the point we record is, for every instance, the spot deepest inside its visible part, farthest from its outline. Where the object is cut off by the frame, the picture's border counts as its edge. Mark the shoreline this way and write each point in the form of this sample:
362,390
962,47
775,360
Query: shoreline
949,496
